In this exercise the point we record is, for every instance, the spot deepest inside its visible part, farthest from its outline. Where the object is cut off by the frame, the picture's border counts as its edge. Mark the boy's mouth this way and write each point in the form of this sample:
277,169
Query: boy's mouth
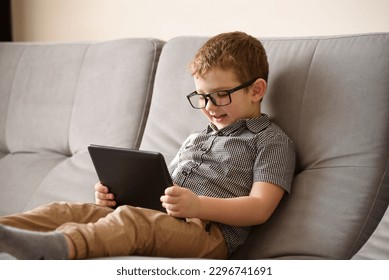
218,117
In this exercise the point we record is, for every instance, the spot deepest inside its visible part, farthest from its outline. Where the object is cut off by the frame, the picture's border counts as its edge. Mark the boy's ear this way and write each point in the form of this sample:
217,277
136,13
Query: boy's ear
259,89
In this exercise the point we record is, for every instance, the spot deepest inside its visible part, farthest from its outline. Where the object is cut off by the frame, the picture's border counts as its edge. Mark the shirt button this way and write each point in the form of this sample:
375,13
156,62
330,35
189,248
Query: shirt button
203,149
184,173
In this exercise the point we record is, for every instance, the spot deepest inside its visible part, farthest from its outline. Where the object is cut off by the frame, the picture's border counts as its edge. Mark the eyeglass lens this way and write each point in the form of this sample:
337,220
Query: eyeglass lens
221,98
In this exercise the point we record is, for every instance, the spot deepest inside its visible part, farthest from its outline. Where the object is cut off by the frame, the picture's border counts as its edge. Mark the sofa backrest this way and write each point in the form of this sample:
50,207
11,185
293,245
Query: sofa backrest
331,95
55,100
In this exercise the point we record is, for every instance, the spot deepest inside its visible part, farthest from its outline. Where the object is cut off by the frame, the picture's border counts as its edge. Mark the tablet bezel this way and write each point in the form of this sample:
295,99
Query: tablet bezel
128,173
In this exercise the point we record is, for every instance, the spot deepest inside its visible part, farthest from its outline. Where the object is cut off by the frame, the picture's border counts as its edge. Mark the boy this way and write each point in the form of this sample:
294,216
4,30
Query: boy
227,178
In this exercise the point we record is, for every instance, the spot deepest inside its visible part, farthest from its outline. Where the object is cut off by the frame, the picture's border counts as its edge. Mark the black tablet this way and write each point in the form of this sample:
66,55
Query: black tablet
135,177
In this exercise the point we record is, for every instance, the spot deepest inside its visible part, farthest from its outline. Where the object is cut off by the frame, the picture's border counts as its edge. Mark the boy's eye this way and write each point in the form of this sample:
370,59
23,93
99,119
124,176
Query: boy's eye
221,94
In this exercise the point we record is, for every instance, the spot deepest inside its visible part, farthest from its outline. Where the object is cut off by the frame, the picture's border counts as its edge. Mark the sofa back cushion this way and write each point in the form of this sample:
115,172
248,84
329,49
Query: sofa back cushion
331,96
55,100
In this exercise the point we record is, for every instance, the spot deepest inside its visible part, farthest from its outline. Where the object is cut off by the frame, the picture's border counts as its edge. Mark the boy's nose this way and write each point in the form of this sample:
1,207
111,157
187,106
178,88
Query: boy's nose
210,106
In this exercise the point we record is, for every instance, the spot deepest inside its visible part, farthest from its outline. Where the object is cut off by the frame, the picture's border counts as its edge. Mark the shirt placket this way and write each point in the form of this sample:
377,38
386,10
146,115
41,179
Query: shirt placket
197,158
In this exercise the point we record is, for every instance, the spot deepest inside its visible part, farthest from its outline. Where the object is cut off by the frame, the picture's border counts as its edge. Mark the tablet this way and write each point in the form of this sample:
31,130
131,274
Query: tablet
135,177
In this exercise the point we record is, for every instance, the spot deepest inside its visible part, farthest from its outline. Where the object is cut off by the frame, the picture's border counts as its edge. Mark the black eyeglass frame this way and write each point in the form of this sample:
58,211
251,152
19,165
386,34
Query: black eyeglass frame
209,96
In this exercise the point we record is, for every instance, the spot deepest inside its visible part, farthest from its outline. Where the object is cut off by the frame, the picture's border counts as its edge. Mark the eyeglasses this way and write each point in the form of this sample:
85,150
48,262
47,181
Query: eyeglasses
218,98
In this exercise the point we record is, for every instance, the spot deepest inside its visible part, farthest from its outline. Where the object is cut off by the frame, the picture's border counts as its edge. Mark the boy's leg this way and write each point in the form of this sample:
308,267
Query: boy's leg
51,216
23,237
138,231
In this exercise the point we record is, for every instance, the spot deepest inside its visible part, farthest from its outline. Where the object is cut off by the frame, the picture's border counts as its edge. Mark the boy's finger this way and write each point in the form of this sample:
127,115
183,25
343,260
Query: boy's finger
174,191
104,202
97,186
104,196
101,188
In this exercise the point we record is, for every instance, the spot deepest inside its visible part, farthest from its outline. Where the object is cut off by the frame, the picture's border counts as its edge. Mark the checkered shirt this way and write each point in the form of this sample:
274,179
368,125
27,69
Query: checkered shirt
225,163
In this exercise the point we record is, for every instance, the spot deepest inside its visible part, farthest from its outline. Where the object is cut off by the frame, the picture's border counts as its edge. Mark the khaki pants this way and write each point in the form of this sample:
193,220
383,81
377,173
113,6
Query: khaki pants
101,231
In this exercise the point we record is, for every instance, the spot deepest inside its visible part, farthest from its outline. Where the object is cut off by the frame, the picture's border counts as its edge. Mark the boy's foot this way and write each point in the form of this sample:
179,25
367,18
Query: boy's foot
33,245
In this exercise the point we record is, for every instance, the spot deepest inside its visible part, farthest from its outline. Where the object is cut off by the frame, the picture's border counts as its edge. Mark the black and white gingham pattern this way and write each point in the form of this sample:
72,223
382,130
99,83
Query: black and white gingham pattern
226,163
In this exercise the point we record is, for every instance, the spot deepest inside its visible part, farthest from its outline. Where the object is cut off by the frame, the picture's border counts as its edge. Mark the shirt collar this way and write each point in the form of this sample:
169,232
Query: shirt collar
255,125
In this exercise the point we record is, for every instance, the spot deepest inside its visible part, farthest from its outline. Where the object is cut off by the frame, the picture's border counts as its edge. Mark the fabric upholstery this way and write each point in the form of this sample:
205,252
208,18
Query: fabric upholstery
172,83
56,99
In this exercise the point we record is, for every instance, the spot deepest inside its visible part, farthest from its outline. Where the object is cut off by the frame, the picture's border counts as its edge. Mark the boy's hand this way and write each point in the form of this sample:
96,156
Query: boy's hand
103,197
180,202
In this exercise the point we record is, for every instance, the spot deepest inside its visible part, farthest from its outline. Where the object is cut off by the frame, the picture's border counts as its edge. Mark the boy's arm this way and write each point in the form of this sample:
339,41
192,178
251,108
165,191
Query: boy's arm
240,211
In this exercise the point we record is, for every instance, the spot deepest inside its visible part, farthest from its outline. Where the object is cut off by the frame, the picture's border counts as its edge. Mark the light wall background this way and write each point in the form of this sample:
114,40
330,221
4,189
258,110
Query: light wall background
69,20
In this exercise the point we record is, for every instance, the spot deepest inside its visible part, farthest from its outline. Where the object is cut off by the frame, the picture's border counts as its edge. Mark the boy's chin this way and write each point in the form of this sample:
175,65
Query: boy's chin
221,125
220,122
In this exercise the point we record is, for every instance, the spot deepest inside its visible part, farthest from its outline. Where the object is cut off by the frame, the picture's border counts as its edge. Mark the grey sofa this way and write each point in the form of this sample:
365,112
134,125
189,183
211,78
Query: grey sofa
330,94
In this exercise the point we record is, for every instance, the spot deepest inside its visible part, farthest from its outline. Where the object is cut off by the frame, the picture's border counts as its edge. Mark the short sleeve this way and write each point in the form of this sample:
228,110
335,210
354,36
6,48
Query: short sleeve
275,162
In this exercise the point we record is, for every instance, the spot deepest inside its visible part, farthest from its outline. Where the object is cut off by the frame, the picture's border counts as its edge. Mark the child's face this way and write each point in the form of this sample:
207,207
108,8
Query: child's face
244,103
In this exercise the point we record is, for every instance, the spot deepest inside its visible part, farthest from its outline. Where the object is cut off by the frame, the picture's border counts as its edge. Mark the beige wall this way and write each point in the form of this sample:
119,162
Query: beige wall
64,20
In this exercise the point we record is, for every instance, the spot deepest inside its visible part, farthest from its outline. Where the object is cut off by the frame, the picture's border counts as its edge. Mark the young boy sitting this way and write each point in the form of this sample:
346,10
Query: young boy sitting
227,178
